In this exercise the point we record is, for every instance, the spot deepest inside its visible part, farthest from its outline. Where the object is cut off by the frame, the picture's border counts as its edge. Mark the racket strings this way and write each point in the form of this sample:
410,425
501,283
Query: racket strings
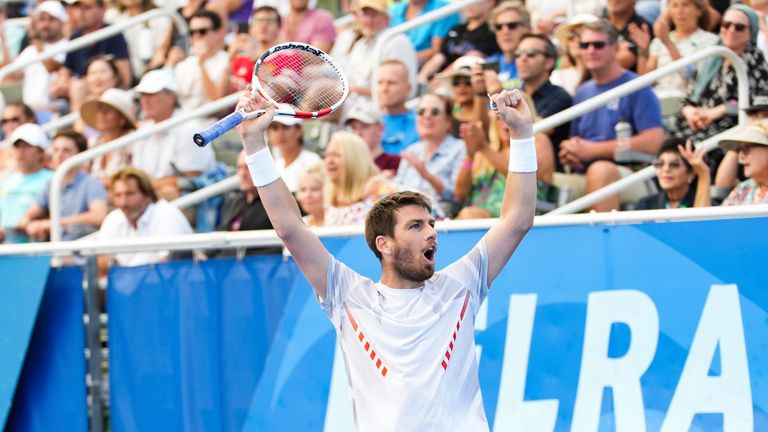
300,79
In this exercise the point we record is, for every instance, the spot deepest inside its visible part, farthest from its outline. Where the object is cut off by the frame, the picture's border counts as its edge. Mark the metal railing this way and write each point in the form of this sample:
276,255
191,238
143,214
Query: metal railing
91,38
144,132
630,87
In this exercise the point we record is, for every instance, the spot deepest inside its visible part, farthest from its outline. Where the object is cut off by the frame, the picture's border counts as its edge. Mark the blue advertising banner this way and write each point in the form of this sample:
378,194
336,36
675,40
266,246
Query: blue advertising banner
51,392
188,340
655,326
21,290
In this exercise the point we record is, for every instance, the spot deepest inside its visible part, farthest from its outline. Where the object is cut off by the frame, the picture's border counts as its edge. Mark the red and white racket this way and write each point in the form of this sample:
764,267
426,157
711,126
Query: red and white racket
298,79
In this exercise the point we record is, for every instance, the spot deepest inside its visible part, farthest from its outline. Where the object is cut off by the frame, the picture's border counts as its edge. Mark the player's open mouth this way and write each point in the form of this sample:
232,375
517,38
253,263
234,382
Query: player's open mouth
429,254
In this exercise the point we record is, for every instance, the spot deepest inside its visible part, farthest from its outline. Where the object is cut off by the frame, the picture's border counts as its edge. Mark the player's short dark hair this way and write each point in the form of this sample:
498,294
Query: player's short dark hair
142,179
382,218
76,137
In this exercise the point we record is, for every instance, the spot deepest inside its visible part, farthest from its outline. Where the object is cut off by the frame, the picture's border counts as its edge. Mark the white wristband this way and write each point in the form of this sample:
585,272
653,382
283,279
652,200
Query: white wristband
522,155
262,168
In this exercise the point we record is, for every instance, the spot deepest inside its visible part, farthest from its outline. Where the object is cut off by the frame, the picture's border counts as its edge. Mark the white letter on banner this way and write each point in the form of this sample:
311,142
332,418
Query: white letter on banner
512,411
338,413
729,393
636,310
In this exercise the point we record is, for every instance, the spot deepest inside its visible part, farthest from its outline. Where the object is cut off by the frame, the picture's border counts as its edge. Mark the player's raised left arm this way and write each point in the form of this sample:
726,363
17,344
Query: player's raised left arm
519,205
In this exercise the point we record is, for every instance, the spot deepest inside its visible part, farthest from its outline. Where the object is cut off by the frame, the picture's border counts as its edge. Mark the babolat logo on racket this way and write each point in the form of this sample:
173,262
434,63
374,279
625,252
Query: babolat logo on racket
302,47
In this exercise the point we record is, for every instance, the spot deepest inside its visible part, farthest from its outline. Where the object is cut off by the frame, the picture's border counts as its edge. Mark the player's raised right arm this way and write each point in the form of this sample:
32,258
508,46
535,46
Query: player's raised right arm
306,248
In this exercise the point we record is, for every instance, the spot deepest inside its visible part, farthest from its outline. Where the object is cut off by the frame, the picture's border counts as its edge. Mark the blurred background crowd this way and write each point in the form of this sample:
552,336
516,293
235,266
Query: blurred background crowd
417,117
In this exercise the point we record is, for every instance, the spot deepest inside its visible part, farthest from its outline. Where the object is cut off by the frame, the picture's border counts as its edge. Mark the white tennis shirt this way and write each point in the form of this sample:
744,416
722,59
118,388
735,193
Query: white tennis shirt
410,353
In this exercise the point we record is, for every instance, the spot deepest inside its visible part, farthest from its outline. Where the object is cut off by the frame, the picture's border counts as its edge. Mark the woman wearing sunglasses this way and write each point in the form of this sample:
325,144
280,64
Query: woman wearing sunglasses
751,144
711,107
677,167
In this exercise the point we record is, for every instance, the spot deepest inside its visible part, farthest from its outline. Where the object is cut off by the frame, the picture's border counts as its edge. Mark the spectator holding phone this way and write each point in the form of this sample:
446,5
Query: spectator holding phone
252,40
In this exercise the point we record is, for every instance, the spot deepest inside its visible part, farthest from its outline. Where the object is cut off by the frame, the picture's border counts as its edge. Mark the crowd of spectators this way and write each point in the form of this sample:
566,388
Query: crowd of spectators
417,117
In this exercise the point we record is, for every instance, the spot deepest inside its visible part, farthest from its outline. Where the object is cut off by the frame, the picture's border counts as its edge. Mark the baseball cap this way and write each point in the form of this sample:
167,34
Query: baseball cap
377,5
157,80
461,67
52,8
363,113
31,134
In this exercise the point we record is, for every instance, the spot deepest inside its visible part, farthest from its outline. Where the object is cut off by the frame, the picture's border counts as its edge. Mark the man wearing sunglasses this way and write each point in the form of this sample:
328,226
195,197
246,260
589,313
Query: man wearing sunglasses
590,150
509,20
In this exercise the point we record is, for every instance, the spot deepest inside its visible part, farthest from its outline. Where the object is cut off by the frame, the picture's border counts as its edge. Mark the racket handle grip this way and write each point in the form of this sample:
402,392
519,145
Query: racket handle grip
218,129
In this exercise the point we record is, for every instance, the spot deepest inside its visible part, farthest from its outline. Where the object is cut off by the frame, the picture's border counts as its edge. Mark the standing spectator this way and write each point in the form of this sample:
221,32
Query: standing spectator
246,47
46,32
307,25
399,122
114,116
83,198
139,213
168,157
204,76
366,123
677,167
431,165
20,189
473,37
91,19
751,144
590,150
355,53
509,20
622,16
427,39
286,136
711,107
689,18
535,59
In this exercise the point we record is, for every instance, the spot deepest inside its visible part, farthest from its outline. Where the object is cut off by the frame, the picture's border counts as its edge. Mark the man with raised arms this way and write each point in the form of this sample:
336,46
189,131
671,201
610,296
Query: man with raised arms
408,339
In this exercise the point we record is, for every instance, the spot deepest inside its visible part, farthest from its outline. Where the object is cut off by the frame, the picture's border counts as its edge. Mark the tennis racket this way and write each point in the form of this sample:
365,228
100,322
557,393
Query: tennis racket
298,79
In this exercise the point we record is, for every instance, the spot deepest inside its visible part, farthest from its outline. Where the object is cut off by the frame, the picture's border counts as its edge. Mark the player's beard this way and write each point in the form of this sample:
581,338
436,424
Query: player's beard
410,266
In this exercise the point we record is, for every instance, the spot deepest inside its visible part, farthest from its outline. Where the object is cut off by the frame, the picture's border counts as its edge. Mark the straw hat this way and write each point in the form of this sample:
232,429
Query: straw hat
752,134
572,24
120,100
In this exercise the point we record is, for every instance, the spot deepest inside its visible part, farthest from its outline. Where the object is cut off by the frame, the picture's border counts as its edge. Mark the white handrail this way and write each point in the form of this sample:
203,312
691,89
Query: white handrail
630,87
386,35
263,238
91,38
141,133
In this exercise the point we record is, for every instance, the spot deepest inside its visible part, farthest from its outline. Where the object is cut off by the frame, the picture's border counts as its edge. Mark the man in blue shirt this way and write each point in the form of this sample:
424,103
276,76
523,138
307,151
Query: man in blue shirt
399,122
83,197
593,143
428,38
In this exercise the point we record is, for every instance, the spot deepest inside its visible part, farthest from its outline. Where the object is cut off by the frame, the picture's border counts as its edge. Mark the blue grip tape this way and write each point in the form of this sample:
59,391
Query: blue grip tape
217,129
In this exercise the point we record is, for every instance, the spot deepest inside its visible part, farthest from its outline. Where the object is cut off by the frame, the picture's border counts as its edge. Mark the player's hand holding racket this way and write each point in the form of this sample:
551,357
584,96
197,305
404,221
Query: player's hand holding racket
298,79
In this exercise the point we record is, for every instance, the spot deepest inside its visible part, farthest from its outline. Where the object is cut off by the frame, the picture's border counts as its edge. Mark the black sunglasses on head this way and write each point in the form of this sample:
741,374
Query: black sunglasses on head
597,44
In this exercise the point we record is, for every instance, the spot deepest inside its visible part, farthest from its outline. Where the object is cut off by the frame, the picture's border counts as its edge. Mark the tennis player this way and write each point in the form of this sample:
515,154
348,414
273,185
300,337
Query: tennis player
408,339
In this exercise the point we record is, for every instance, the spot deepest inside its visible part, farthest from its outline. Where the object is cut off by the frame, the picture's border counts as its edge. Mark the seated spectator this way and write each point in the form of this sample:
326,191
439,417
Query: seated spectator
139,213
535,59
285,134
167,156
14,115
308,25
590,150
366,123
432,164
688,18
90,19
711,107
203,76
243,211
246,47
473,37
101,75
20,189
571,72
677,167
145,42
751,144
399,122
483,175
469,101
509,20
83,198
622,16
351,189
427,39
354,50
311,196
113,116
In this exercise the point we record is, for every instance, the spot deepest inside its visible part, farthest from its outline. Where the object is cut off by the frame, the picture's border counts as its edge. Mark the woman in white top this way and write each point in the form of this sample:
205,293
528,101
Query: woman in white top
688,18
